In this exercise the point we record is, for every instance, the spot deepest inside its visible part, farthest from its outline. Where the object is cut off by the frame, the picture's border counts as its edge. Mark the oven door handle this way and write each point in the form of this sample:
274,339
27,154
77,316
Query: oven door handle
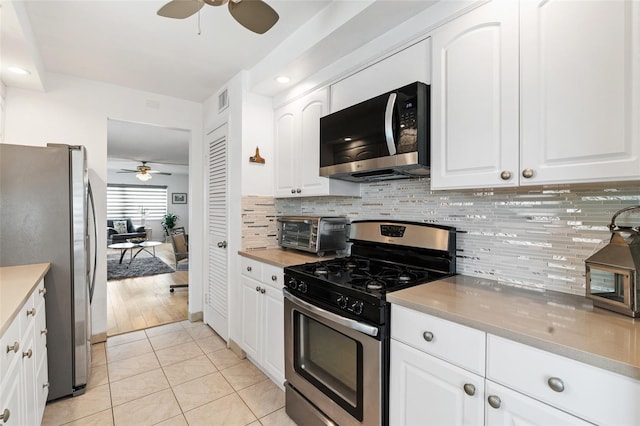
352,324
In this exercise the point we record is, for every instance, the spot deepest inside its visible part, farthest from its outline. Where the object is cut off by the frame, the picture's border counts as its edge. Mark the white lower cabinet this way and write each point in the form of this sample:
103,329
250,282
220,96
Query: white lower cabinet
262,331
428,391
434,380
23,366
506,407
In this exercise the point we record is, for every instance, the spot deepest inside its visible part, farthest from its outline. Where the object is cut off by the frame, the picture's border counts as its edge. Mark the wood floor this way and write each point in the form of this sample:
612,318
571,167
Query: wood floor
139,303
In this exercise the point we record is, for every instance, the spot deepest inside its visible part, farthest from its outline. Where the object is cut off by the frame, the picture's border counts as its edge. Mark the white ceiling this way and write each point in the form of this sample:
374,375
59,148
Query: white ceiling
124,42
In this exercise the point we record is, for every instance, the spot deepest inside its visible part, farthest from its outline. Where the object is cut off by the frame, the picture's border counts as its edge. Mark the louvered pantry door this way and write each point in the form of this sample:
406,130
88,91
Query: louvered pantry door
216,297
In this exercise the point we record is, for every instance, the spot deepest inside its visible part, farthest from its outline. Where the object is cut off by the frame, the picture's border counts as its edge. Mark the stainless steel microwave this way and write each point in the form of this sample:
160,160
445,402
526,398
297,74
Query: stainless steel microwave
386,137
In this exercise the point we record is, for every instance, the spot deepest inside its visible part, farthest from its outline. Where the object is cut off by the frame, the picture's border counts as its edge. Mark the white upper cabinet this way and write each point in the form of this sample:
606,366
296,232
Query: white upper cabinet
580,90
297,146
474,99
404,67
547,93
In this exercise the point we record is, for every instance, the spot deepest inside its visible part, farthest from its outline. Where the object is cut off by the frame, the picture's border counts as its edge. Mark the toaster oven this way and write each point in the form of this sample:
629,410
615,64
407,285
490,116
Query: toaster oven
315,234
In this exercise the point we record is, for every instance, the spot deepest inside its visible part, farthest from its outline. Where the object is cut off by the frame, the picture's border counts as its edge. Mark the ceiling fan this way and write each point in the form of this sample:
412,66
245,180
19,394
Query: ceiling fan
255,15
143,172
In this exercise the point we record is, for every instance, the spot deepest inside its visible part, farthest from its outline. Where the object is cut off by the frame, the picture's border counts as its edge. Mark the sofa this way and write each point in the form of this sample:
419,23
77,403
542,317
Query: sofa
120,230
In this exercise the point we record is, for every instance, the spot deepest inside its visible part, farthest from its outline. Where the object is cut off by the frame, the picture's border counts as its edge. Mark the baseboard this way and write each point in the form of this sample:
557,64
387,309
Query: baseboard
98,338
236,349
195,316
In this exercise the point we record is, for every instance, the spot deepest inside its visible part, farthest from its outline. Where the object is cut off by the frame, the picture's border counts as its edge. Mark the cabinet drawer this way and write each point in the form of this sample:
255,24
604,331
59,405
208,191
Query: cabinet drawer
591,393
251,268
460,345
273,275
10,338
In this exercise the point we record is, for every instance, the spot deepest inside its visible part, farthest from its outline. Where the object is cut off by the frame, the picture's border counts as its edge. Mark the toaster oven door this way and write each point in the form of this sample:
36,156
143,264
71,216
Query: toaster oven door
299,234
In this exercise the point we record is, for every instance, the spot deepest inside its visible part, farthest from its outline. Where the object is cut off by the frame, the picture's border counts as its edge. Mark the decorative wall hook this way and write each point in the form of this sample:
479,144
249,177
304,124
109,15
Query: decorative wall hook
256,158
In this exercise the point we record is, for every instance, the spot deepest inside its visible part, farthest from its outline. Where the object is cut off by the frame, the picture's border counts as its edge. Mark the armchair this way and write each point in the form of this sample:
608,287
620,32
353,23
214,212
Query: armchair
131,231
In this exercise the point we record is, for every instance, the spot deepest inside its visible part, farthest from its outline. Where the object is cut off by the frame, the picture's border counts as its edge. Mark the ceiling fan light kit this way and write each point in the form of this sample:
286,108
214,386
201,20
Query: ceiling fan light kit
143,172
144,176
254,15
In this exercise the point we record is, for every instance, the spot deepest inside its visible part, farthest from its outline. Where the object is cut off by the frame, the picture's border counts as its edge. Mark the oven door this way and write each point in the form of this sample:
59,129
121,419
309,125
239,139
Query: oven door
332,362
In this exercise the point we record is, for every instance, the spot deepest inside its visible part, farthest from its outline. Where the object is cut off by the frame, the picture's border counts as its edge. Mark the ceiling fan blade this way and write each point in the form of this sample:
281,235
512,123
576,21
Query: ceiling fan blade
159,173
254,15
127,171
180,9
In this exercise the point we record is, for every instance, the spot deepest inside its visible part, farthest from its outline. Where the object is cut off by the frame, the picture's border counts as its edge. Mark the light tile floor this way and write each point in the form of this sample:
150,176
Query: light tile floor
174,374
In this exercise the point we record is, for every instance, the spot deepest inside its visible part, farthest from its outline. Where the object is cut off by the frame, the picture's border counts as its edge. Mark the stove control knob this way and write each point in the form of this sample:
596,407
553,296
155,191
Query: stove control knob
302,287
342,302
292,283
357,308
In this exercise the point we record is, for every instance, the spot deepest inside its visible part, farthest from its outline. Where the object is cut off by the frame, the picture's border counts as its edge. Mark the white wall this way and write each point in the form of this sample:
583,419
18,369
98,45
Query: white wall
174,183
75,111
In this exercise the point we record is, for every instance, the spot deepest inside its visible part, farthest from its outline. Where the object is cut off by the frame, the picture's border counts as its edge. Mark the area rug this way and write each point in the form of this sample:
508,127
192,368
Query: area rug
139,267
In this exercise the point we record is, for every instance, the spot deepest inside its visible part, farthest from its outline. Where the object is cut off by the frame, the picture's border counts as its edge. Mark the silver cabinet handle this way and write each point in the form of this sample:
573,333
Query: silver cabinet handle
27,354
257,288
428,336
556,384
274,278
494,401
505,175
42,291
248,268
298,191
45,385
469,389
31,311
15,347
5,415
388,124
44,331
527,173
293,191
262,290
222,244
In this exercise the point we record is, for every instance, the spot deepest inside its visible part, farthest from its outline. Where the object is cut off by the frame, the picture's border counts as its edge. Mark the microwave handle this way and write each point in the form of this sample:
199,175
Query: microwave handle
388,124
305,221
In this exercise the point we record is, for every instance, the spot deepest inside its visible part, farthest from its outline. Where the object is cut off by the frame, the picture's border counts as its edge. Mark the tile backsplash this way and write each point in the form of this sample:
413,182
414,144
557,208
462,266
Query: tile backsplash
533,237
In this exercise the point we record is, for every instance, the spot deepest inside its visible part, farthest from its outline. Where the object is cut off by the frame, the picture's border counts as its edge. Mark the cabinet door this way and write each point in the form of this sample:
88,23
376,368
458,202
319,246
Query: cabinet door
285,146
474,99
273,323
311,108
580,90
425,390
251,323
11,389
510,408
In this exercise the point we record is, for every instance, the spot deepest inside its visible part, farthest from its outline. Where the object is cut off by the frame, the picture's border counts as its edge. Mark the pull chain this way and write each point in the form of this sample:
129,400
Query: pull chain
199,28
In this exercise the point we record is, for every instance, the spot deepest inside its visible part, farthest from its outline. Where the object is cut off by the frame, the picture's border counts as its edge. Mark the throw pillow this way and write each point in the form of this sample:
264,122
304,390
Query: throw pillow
120,226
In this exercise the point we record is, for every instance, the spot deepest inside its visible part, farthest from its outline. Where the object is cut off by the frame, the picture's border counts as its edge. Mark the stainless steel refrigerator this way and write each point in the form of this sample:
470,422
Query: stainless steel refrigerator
47,215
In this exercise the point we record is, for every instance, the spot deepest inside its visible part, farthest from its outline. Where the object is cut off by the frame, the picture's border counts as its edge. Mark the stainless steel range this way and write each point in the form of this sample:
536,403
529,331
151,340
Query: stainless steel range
337,319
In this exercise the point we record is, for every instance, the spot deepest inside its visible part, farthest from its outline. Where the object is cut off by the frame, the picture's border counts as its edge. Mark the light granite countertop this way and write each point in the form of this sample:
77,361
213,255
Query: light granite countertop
16,284
282,257
563,324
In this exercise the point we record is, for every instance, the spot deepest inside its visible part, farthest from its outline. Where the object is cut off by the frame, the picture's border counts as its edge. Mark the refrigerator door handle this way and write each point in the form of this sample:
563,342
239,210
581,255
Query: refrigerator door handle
92,283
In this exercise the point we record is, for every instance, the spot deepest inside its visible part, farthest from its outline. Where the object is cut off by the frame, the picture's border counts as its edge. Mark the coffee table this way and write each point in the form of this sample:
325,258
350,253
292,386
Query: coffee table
145,245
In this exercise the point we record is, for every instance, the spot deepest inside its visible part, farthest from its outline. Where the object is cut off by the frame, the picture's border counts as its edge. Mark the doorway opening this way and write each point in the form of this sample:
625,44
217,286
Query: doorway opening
147,185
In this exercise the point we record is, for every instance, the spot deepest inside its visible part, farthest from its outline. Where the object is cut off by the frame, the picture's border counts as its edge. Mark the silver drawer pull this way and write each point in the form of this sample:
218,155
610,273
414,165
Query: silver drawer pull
257,288
42,291
505,175
5,415
469,389
494,401
274,278
527,173
248,268
15,347
262,290
31,312
45,331
27,354
556,384
46,385
428,336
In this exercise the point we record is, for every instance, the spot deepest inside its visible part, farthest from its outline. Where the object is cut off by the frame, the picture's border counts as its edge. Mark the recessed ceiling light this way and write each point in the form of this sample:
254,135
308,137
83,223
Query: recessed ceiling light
347,139
19,71
283,79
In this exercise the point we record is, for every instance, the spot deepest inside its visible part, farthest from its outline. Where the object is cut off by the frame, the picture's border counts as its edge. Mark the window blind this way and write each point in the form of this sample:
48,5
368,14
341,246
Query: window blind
134,201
